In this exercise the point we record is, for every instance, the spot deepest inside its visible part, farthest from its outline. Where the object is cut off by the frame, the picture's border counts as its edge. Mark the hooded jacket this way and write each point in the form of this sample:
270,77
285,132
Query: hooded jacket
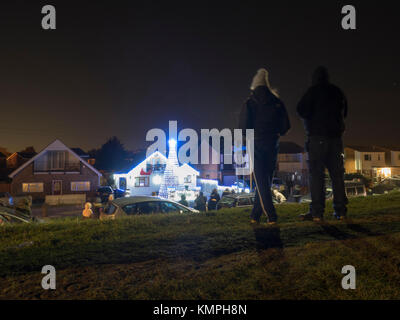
265,113
323,107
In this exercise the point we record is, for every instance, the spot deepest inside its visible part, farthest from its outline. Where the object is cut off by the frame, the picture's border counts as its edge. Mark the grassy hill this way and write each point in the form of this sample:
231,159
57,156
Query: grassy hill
217,255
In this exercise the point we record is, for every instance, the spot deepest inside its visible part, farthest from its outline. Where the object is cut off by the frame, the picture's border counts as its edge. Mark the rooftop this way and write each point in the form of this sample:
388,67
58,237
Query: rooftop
288,147
367,148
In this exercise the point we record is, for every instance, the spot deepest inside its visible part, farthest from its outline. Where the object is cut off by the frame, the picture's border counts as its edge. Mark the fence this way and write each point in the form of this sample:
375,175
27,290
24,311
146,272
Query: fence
66,199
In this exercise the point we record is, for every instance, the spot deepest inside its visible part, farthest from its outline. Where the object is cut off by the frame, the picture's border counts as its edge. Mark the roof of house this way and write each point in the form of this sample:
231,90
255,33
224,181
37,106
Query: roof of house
27,155
288,147
391,148
80,152
55,145
141,163
367,148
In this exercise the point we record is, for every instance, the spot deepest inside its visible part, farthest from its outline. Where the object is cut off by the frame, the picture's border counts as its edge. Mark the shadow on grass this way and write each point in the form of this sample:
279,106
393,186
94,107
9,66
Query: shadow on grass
336,233
267,238
370,251
360,229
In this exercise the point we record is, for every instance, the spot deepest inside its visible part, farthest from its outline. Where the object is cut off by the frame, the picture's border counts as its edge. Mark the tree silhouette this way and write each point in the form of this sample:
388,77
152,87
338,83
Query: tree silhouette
111,156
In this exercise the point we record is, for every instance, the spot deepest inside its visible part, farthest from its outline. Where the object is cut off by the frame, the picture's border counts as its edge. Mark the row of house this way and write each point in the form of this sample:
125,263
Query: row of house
60,170
56,170
374,162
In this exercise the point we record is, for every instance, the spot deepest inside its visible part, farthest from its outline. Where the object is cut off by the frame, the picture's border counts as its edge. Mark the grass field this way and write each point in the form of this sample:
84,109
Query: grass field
217,255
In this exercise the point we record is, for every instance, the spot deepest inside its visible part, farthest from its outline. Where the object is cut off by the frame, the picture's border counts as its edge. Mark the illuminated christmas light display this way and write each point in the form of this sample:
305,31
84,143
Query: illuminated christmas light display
170,181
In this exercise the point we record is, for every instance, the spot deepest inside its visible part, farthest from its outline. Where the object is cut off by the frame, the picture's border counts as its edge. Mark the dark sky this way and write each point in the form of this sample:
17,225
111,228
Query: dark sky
120,68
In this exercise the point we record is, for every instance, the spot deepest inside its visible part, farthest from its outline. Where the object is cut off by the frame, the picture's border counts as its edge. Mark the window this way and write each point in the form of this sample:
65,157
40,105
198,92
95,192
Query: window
398,156
80,186
32,187
360,190
57,161
141,181
130,209
367,157
244,202
147,207
351,191
167,207
187,179
379,157
110,209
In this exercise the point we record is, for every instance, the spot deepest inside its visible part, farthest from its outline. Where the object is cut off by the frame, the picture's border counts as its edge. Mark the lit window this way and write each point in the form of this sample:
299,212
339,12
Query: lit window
32,187
80,186
141,181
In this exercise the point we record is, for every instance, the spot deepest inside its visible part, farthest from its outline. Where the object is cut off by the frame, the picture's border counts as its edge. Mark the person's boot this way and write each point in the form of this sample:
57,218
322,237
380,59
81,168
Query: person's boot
306,217
254,222
340,217
318,219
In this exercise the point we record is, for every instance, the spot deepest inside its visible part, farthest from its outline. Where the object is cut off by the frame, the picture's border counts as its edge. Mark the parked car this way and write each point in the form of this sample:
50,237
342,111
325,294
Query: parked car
236,200
6,199
355,189
9,215
352,189
104,192
307,198
142,205
240,200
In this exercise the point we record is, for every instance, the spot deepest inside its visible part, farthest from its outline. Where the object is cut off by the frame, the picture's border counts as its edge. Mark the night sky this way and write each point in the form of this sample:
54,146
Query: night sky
120,68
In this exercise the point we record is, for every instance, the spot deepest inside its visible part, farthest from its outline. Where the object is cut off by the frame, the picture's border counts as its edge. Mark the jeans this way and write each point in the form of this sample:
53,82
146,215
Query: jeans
265,155
327,153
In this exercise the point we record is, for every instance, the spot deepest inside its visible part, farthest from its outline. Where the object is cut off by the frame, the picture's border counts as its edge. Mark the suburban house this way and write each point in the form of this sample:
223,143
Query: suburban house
292,163
370,161
56,170
146,178
3,160
17,159
210,170
392,168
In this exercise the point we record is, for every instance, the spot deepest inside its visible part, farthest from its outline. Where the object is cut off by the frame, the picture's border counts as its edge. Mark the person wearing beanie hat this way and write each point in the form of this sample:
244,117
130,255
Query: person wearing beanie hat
323,109
266,114
262,79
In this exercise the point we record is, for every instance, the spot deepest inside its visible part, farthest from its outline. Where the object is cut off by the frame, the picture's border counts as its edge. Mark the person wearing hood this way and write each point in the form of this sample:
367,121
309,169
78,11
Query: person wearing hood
200,202
323,109
266,114
183,200
214,199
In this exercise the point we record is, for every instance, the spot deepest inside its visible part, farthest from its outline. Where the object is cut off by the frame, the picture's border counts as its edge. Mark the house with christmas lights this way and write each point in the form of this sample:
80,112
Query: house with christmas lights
158,175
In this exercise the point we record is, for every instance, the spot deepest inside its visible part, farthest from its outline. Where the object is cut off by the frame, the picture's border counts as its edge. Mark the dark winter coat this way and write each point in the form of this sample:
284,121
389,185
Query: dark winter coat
213,201
266,114
323,107
200,203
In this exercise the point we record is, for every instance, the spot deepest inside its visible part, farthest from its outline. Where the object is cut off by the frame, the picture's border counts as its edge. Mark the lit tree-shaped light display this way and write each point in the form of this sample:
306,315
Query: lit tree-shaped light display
170,179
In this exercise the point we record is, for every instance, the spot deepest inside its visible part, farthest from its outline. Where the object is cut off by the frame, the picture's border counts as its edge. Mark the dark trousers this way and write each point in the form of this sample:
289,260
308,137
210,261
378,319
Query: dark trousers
265,154
327,153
